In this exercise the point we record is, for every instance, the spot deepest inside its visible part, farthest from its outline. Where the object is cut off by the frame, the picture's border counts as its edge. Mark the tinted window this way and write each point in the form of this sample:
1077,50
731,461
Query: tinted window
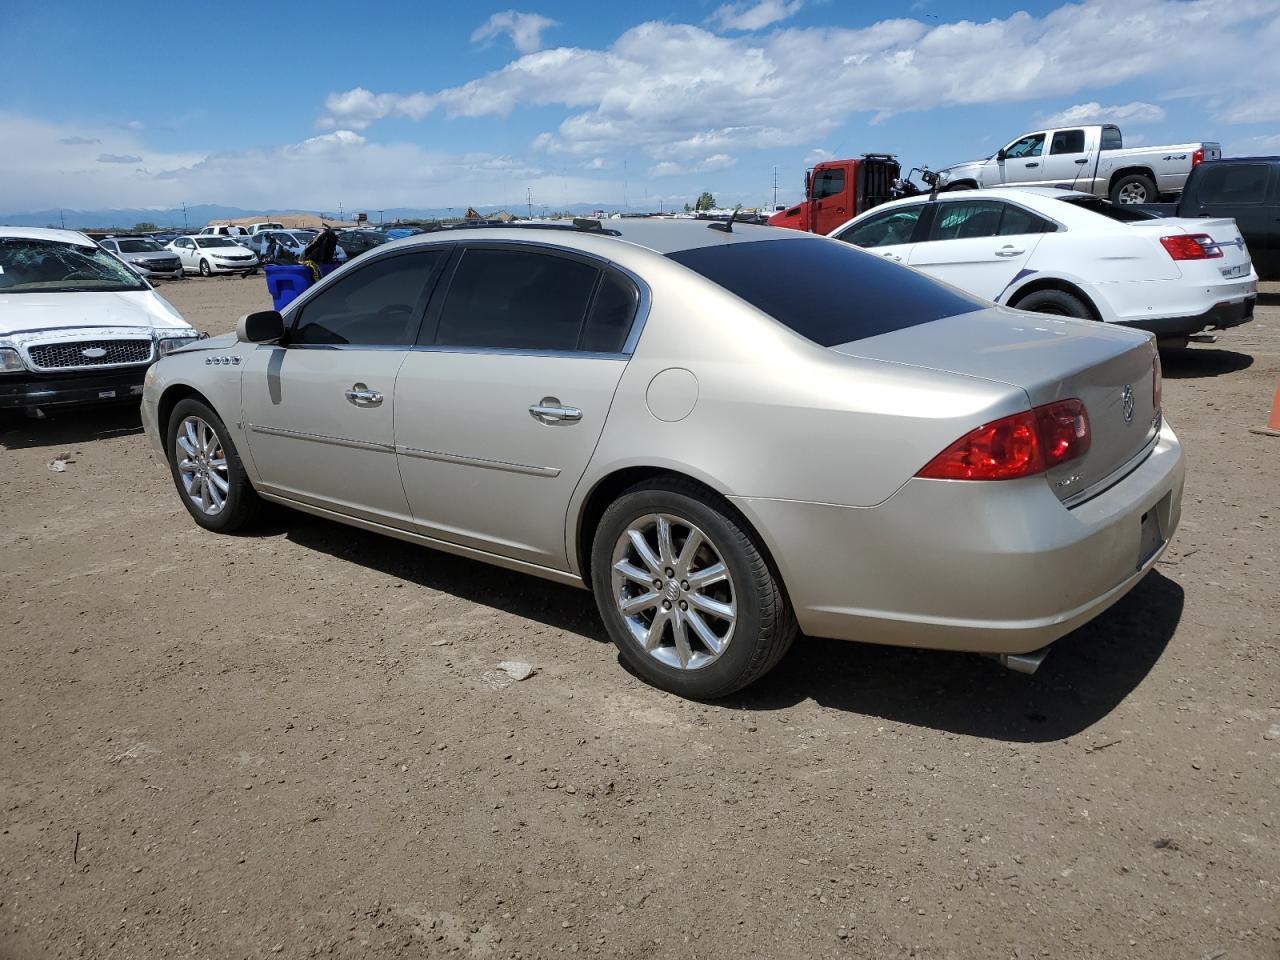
377,305
611,314
1068,141
1237,183
1015,220
829,293
966,220
1032,145
516,299
137,246
1111,139
884,229
827,183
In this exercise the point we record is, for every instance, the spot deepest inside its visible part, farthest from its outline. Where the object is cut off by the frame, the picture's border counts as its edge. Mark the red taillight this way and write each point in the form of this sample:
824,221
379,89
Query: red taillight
1157,376
1197,158
1020,445
1191,246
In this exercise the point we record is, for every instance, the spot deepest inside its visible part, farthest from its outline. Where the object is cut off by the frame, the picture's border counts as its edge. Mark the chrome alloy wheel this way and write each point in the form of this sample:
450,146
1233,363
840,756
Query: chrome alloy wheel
1132,193
202,465
674,591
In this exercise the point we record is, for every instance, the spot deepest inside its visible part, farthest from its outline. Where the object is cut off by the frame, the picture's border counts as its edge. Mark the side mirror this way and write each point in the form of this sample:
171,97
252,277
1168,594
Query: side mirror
261,327
1001,154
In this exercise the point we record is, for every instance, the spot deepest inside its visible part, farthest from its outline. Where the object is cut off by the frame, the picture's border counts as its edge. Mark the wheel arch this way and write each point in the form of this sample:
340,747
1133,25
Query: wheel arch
1131,171
173,394
1038,283
961,185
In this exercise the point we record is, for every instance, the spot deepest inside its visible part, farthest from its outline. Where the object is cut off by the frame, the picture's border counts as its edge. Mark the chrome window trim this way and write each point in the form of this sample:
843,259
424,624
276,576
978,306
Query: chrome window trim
322,438
458,458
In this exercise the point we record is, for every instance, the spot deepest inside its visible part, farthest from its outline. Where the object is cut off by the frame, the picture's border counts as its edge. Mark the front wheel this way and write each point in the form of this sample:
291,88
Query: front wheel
205,271
207,470
686,593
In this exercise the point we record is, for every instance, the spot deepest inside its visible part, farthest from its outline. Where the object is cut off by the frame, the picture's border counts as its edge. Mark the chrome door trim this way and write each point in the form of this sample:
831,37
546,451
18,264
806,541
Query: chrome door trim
530,469
321,438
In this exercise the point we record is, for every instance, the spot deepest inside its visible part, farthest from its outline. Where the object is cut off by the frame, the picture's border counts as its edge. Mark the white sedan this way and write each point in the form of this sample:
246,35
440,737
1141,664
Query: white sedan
1071,254
210,255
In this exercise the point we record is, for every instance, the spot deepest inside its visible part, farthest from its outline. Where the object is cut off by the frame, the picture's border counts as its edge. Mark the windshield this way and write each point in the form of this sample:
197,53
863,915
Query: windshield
139,246
1125,213
828,292
215,242
27,266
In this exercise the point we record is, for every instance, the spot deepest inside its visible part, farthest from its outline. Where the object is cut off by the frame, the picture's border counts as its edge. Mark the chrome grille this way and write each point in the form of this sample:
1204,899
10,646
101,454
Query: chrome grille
59,356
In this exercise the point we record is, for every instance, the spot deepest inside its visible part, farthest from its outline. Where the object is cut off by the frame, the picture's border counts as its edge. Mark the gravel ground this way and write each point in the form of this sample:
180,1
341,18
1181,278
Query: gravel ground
298,742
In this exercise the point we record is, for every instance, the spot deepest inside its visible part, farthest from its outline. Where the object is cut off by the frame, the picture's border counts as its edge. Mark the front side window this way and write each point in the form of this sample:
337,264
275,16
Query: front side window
966,220
829,293
1032,145
377,305
1067,141
30,266
516,299
828,183
1243,183
884,229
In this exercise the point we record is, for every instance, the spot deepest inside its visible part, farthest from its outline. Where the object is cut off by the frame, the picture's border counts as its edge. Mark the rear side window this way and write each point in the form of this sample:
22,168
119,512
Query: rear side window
1015,221
1111,139
517,300
377,305
966,220
1236,183
612,313
829,293
884,229
1067,141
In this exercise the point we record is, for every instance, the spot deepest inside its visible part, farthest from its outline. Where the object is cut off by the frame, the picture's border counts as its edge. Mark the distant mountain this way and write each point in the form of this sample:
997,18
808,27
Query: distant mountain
197,216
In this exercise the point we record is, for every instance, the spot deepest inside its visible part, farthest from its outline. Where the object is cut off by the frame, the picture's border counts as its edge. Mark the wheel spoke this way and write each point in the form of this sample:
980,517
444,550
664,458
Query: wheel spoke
690,548
725,611
683,650
193,442
654,637
201,497
645,552
186,445
217,498
701,579
704,632
666,551
220,484
186,465
633,605
632,572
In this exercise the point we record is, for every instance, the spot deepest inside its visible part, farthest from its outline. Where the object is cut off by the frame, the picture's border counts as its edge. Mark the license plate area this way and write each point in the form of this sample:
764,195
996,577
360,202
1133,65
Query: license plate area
1151,536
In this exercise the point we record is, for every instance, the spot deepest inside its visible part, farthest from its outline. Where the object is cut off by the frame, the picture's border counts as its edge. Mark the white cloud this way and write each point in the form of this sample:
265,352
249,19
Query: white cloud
1093,112
680,92
754,16
524,29
817,155
669,168
118,158
1259,146
79,141
136,125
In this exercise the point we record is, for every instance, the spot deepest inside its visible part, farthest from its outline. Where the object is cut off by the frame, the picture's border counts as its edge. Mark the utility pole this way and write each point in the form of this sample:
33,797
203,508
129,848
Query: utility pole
61,219
625,205
379,218
528,199
775,188
185,225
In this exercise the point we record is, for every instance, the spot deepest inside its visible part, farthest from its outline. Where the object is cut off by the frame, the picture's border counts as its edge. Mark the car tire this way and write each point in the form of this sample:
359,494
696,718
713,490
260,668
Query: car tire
205,271
1134,188
1058,303
203,436
182,274
962,185
762,626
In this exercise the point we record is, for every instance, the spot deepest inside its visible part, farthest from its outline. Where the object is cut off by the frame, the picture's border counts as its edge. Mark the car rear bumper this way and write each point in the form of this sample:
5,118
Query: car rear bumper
18,390
1224,314
982,567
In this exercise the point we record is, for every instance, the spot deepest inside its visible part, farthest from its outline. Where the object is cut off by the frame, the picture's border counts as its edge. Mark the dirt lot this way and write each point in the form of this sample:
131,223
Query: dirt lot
296,743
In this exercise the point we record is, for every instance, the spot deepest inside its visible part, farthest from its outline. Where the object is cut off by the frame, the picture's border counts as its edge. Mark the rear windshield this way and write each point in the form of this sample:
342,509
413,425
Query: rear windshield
139,246
1125,213
31,266
828,292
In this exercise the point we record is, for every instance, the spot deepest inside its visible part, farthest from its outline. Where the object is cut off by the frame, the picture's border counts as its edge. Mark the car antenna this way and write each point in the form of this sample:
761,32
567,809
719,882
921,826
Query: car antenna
727,226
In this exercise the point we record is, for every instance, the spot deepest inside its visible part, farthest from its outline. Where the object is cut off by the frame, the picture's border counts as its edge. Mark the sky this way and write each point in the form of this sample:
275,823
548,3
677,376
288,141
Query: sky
636,106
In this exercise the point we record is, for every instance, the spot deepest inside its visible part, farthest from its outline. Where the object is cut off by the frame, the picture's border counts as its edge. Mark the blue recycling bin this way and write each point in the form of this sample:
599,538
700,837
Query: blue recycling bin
285,281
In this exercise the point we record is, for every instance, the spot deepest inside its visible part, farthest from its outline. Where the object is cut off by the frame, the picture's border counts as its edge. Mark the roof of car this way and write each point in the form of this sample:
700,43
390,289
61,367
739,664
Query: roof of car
45,233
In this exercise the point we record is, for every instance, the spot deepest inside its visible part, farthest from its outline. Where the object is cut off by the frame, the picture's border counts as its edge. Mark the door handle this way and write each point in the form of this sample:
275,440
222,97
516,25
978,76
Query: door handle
892,256
1083,160
1036,164
551,410
362,396
1008,250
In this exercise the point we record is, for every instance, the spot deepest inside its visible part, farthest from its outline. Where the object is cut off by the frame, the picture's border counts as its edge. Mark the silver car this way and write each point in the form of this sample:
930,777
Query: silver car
147,258
727,433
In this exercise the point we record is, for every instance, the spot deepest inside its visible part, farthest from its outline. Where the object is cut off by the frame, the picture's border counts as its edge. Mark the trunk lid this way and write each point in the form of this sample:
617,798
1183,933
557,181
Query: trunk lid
1234,262
1110,369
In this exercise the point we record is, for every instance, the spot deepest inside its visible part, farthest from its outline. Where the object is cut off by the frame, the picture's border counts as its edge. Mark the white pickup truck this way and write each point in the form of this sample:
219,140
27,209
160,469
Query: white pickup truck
1092,159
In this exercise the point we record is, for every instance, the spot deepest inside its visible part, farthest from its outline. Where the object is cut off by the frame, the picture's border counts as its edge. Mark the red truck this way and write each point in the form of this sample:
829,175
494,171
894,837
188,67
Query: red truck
838,190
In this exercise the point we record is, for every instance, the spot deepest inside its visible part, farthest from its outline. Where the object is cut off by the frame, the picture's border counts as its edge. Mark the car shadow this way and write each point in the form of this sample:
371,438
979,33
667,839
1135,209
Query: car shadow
61,427
1268,299
1185,363
1085,676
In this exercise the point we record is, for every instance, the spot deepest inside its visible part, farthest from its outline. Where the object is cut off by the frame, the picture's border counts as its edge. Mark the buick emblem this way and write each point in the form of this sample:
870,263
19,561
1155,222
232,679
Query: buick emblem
1127,403
93,353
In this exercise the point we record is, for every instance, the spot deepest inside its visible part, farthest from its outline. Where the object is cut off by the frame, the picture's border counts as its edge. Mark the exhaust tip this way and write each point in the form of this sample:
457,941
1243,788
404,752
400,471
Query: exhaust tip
1024,662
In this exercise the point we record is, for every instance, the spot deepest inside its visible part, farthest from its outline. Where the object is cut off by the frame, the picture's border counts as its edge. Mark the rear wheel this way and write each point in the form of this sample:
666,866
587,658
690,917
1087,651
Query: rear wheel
207,470
1059,303
685,592
1134,188
205,271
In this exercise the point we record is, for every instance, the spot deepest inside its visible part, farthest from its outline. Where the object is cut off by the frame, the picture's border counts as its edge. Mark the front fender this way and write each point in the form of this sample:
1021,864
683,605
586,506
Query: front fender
213,369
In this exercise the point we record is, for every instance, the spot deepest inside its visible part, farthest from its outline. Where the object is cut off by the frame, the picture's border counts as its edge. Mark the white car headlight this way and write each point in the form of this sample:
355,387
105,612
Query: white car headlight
11,361
169,344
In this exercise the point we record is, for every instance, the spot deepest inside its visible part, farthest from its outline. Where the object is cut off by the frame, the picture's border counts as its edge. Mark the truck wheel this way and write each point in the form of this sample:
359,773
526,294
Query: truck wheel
1059,303
1134,188
962,185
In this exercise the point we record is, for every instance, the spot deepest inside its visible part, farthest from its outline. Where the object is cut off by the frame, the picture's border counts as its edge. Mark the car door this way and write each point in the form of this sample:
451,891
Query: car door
1022,160
1067,162
319,408
500,409
888,233
965,245
186,248
831,205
